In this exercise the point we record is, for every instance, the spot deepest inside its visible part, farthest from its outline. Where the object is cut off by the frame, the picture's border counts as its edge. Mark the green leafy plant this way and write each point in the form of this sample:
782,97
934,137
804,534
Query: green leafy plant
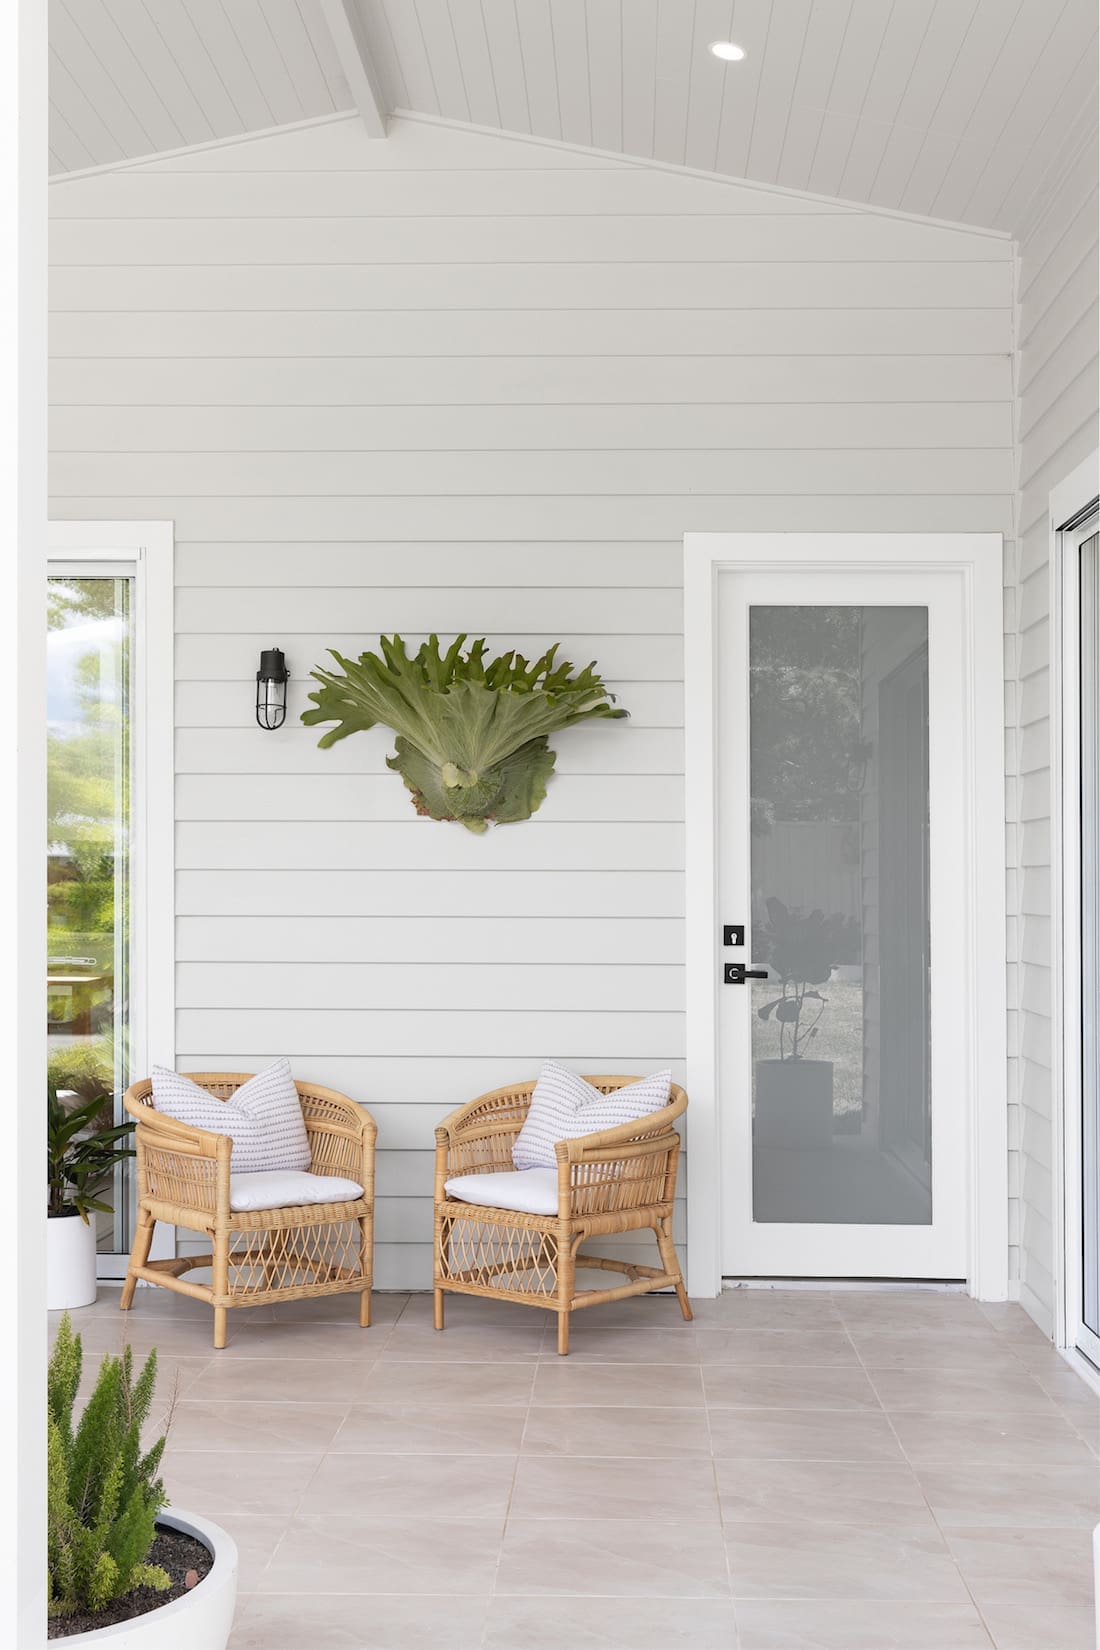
80,1155
472,735
104,1491
801,950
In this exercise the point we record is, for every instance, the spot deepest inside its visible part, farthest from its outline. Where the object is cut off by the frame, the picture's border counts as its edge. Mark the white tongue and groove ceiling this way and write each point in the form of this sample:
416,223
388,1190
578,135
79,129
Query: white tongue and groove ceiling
955,109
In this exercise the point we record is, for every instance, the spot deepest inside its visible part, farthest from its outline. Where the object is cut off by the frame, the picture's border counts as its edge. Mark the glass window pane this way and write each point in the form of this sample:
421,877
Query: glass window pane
88,853
838,744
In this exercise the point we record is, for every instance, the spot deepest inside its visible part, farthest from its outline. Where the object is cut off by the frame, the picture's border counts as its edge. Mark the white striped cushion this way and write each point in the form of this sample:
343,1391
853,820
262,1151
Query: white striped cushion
263,1119
564,1106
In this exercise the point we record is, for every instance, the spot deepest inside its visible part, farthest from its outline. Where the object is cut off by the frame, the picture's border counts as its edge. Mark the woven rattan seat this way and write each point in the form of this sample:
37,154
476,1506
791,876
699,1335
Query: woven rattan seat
620,1180
261,1256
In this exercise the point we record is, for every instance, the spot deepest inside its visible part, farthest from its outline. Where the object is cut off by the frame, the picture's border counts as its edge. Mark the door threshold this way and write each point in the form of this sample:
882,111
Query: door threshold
938,1286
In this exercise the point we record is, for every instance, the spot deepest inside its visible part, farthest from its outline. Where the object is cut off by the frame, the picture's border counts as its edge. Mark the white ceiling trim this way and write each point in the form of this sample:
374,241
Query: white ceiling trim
351,48
617,158
230,142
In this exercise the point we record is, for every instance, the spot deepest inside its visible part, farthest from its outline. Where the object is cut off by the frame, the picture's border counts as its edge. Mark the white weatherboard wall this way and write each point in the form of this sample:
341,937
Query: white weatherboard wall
462,382
1059,337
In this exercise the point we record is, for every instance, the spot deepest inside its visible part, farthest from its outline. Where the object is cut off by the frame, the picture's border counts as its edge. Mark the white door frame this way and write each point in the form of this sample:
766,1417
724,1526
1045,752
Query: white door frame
1069,502
978,559
143,550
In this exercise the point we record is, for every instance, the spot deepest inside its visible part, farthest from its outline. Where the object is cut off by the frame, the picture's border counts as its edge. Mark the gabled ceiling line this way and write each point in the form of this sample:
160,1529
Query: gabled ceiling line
351,48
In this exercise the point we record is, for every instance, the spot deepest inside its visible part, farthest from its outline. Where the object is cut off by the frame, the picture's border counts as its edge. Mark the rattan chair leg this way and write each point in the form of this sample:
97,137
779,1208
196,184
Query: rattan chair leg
221,1286
221,1320
439,1308
139,1254
672,1265
364,1309
567,1279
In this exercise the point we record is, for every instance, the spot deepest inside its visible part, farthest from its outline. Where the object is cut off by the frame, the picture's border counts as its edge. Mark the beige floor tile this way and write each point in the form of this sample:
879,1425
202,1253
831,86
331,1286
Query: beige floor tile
787,1388
331,1380
611,1624
1065,1497
603,1431
291,1621
371,1552
466,1311
1068,1389
397,1381
412,1486
1003,1565
629,1343
257,1536
174,1374
877,1495
993,1439
516,1341
840,1561
859,1625
908,1309
776,1346
657,1311
805,1309
561,1381
964,1390
612,1558
292,1340
595,1487
802,1435
1046,1625
934,1348
224,1484
385,1309
275,1428
423,1429
184,1337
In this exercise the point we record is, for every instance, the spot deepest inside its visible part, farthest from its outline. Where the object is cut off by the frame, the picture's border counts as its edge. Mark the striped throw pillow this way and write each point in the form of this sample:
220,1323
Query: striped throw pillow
564,1106
263,1119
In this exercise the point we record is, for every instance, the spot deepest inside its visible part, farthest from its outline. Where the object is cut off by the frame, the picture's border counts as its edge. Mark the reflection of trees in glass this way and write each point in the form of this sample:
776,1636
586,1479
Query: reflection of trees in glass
87,781
804,688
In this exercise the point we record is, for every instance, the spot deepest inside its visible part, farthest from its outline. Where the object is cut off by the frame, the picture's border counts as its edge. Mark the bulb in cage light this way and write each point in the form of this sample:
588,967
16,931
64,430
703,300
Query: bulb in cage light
271,680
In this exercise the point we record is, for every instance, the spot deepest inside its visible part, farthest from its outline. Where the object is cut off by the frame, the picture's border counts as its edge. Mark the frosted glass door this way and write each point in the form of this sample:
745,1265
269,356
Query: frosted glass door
843,1054
838,741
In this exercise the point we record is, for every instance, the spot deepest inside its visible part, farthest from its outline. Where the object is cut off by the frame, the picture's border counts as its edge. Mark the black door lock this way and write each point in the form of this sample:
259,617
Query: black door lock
737,974
733,933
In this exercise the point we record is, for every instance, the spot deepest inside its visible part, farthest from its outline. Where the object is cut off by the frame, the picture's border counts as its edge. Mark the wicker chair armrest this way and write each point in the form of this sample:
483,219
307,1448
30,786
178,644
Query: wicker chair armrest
156,1128
477,1149
341,1133
605,1179
191,1173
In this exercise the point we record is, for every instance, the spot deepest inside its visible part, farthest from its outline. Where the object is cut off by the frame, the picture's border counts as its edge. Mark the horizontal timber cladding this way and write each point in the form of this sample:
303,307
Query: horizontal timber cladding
456,382
1059,343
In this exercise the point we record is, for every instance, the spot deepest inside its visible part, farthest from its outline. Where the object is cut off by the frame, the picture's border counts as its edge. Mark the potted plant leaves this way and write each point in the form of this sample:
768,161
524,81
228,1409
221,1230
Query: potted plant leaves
80,1154
794,1093
125,1572
472,735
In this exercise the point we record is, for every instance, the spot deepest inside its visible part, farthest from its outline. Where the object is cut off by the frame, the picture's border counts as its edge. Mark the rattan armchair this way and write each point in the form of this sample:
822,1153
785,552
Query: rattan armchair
261,1256
620,1180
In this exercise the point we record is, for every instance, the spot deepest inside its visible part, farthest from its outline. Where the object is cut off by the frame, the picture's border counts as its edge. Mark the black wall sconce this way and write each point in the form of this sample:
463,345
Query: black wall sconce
271,681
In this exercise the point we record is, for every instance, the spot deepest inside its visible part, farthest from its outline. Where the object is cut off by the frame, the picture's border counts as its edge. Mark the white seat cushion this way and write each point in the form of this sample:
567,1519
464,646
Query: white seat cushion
564,1106
263,1118
286,1188
528,1191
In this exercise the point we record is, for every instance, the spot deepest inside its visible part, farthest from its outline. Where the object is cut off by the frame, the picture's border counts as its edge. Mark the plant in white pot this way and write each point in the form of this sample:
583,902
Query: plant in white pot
794,1094
124,1572
79,1157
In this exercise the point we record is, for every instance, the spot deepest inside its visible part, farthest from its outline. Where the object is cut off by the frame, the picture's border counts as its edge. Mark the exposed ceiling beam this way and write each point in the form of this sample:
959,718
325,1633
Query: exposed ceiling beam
346,29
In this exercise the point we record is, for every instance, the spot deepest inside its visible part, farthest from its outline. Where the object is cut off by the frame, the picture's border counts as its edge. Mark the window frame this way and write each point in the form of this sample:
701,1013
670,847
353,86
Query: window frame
143,551
1072,508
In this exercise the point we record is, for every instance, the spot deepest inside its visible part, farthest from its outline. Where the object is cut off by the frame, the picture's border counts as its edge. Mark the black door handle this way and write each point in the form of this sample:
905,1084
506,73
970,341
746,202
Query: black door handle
737,974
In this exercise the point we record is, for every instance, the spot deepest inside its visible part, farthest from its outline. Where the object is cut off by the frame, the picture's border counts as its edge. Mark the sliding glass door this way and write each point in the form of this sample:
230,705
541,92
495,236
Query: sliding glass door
1089,769
89,859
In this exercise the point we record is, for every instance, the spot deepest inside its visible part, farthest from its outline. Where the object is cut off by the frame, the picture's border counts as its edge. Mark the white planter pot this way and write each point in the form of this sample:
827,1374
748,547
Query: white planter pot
70,1262
198,1620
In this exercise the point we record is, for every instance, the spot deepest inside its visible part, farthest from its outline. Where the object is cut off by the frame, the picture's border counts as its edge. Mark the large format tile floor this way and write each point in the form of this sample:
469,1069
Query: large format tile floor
856,1471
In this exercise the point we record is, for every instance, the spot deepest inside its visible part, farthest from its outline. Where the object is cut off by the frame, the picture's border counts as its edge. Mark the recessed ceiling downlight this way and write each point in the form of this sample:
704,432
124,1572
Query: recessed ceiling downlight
727,51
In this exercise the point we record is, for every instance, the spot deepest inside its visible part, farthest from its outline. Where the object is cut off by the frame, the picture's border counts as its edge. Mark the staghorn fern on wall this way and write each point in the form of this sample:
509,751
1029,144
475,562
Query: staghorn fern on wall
472,737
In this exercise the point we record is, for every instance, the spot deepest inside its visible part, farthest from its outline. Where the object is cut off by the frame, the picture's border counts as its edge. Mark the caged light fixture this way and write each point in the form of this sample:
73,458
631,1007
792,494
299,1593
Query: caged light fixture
271,680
